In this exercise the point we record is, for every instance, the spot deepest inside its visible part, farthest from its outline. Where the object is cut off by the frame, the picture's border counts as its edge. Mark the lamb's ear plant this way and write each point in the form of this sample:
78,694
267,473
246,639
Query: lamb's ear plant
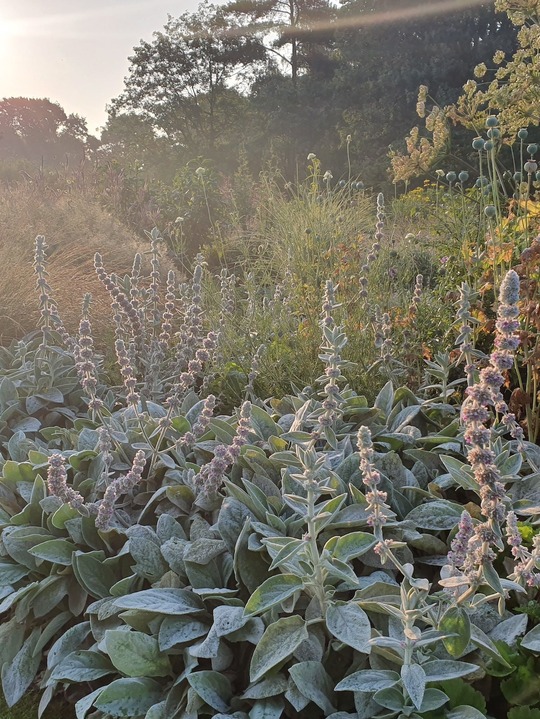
302,555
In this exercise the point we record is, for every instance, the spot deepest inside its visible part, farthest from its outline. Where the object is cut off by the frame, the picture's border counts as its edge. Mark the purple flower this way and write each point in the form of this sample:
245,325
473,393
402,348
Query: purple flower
57,482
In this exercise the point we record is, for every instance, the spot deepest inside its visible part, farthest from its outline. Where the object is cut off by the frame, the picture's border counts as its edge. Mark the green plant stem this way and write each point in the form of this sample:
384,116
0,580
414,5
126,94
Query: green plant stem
319,575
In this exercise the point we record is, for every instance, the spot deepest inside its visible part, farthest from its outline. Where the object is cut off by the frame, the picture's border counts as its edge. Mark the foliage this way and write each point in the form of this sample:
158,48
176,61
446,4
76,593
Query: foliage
180,80
160,558
39,131
288,77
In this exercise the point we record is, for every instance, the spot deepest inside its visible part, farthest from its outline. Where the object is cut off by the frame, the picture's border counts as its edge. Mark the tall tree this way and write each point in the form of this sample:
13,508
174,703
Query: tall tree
393,47
40,130
293,31
182,82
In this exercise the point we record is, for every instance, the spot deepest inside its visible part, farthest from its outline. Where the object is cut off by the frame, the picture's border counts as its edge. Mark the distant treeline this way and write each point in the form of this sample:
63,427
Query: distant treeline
270,81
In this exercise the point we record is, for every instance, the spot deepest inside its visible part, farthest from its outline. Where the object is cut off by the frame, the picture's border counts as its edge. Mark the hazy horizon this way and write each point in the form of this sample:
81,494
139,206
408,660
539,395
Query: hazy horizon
74,54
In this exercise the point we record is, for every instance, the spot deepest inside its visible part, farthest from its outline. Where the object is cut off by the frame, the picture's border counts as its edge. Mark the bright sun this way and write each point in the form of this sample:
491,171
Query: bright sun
5,29
8,28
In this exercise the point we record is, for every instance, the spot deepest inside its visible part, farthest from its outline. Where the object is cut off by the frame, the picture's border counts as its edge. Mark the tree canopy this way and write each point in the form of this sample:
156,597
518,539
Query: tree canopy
39,130
275,80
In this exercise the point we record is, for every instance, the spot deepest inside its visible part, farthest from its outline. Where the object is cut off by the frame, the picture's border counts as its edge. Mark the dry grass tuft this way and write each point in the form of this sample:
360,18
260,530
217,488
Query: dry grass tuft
75,227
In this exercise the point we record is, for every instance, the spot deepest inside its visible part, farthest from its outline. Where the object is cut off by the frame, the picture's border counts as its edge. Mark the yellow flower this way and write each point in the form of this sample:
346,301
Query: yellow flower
480,70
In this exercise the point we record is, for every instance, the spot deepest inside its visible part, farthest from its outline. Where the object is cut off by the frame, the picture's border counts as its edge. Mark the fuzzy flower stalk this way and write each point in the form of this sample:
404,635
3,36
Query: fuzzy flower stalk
526,562
465,322
333,343
168,313
475,414
50,319
104,447
202,423
212,474
191,329
378,511
506,343
417,296
387,364
375,247
255,370
179,390
118,487
487,393
122,306
452,576
155,278
58,485
188,378
127,372
86,366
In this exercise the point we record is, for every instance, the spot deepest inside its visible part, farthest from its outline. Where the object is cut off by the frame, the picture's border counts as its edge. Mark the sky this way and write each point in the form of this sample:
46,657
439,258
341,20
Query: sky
75,52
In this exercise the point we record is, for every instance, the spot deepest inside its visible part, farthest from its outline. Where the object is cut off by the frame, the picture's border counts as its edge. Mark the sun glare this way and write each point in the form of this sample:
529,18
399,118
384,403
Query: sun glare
6,29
